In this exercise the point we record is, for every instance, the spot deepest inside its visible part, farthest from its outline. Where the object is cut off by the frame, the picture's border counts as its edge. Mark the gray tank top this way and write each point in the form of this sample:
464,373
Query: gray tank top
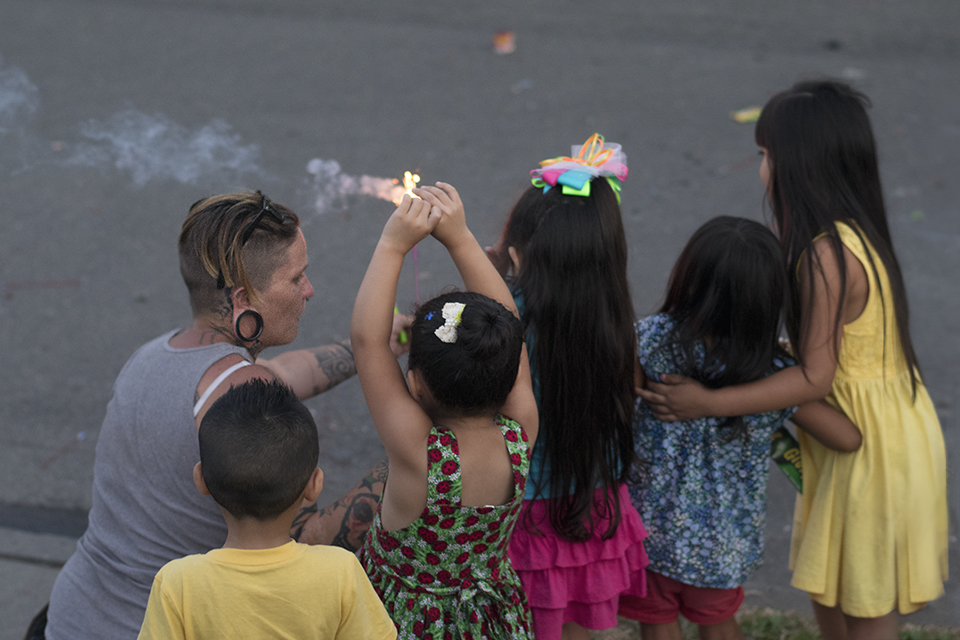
146,510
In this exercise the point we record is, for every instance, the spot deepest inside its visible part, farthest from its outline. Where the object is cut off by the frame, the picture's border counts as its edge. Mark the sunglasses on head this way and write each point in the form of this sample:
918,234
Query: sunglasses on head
267,209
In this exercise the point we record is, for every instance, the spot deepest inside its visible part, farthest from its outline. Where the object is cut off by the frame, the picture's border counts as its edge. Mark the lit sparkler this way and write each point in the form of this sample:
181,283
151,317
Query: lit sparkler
410,182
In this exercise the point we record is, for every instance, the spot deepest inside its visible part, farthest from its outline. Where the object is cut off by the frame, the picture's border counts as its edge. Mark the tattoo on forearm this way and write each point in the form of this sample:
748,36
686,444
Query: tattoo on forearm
336,364
356,521
359,515
377,475
358,510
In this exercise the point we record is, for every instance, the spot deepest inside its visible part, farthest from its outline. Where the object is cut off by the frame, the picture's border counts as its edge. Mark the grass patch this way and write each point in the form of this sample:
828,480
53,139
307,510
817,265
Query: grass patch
927,632
771,624
764,624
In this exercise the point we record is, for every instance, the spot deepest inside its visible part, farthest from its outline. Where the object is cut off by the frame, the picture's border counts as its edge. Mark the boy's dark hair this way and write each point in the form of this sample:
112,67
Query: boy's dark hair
725,295
475,374
258,448
577,308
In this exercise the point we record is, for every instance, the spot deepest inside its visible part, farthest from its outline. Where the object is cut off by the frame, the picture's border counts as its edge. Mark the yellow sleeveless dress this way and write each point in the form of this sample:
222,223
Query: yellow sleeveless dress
870,528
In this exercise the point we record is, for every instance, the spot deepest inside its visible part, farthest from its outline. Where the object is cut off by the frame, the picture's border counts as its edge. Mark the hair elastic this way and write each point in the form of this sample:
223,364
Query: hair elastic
258,320
452,312
593,159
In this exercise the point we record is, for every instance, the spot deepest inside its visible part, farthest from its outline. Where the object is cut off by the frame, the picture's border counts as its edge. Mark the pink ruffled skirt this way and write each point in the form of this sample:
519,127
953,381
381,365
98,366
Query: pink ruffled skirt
578,582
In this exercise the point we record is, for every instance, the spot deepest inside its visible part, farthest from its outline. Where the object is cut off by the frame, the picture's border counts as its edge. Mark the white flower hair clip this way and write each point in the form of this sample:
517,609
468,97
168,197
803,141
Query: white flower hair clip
447,332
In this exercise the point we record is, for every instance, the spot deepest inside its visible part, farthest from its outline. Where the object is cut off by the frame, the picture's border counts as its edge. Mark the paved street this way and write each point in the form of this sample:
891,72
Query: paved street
116,115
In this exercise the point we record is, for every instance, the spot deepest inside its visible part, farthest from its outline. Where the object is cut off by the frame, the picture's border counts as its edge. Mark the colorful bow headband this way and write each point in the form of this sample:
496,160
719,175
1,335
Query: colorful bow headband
595,158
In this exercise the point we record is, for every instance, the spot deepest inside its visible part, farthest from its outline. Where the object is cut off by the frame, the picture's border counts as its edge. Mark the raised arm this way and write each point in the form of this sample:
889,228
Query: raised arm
481,276
399,420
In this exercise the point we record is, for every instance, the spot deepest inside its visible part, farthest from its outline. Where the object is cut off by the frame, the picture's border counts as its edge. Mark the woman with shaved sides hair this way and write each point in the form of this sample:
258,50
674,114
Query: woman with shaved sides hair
244,260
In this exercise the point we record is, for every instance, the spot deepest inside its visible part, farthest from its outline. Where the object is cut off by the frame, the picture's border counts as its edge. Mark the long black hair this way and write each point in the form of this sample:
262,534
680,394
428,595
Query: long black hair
577,308
725,296
823,170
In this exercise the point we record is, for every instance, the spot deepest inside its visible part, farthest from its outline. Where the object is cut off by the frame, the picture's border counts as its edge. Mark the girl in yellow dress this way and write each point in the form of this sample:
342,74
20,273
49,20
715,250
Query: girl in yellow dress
870,528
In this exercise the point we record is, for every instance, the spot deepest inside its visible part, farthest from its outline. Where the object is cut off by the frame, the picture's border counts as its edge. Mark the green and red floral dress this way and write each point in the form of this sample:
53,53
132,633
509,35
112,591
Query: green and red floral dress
447,575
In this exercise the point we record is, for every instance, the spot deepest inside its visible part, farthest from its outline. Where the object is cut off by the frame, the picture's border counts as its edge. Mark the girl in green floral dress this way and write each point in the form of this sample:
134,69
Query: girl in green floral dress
458,437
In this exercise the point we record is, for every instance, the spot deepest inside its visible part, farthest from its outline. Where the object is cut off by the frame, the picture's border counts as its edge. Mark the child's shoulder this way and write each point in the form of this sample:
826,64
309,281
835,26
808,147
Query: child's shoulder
330,556
291,552
652,331
655,324
512,430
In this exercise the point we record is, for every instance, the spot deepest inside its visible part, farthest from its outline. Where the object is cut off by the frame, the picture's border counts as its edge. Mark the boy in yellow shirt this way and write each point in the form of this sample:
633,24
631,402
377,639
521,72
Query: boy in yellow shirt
258,459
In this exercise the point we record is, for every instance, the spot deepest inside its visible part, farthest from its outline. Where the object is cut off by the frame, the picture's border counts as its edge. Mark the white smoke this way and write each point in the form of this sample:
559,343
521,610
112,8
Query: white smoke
18,97
332,189
155,147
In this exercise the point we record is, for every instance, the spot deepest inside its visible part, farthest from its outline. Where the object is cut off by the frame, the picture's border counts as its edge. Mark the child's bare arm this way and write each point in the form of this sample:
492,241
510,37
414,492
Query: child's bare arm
401,424
480,276
679,398
830,427
451,231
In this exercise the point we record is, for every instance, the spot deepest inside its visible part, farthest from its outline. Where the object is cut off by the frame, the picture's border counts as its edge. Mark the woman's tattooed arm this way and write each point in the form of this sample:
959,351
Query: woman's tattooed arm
310,372
345,522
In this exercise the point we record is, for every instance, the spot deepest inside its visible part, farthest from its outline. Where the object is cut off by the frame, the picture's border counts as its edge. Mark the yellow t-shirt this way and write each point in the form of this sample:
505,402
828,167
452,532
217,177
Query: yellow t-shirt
294,591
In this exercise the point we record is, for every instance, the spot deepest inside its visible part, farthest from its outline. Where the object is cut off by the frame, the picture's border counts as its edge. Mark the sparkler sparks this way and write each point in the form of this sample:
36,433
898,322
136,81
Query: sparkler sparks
410,182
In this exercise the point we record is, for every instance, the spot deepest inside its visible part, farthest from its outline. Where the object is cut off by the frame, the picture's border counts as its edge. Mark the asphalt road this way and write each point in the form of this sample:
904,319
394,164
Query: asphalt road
116,115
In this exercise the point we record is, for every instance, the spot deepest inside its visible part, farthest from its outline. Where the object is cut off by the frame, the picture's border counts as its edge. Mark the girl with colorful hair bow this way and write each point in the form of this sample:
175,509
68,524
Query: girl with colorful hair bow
579,543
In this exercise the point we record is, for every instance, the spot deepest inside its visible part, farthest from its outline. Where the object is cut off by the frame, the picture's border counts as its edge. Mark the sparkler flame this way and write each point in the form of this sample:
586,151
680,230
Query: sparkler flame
410,181
333,189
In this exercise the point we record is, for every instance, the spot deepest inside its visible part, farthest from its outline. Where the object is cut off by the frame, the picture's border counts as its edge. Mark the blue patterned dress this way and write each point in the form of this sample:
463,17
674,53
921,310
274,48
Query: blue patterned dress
447,575
702,495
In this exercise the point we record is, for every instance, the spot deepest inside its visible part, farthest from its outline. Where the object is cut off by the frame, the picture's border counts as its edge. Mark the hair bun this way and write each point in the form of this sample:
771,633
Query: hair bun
475,372
484,332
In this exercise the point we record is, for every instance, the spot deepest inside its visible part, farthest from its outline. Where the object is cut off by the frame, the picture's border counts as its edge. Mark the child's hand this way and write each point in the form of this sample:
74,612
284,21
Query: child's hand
411,222
675,398
500,258
401,323
453,222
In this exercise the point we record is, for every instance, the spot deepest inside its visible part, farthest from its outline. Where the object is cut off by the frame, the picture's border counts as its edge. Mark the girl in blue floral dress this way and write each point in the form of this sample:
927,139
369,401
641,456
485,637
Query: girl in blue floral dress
702,491
458,437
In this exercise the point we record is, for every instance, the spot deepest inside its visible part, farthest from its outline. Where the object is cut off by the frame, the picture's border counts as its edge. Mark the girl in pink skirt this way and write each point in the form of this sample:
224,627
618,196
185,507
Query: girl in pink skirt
579,543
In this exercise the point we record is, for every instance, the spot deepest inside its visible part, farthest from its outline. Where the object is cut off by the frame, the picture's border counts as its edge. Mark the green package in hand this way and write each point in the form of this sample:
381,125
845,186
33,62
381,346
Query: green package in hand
785,451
